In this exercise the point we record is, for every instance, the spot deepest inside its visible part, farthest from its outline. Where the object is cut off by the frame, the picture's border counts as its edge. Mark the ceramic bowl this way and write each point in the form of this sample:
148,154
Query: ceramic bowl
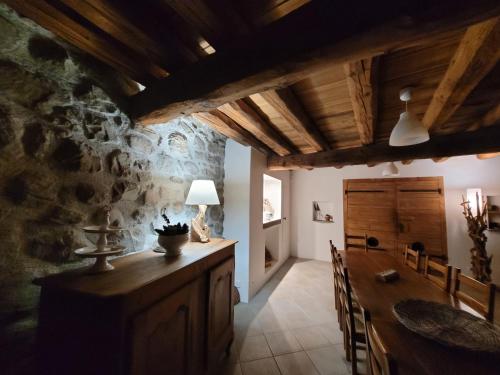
173,244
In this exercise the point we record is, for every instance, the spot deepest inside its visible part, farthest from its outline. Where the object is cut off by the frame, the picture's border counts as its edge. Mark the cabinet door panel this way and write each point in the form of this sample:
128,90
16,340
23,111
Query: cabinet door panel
163,337
220,309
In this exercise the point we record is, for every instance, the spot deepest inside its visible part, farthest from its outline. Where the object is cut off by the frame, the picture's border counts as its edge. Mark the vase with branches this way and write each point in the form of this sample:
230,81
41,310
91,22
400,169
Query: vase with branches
476,225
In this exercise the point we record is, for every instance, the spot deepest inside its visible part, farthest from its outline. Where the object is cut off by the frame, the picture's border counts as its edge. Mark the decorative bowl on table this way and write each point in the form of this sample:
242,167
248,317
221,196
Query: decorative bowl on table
173,244
447,325
172,237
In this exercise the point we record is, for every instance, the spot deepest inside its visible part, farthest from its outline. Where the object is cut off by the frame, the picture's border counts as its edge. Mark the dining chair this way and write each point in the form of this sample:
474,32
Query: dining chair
483,295
334,252
355,241
439,274
412,258
379,360
354,333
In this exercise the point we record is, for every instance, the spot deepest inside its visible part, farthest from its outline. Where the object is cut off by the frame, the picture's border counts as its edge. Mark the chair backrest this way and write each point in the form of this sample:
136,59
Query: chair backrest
439,274
483,298
333,250
355,241
346,296
379,360
412,258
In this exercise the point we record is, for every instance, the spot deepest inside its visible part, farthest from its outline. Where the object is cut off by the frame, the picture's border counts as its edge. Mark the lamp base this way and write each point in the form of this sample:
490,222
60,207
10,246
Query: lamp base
200,232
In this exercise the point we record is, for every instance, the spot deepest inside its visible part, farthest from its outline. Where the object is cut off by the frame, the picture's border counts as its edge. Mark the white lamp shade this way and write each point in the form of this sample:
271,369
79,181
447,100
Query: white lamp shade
202,192
408,131
390,170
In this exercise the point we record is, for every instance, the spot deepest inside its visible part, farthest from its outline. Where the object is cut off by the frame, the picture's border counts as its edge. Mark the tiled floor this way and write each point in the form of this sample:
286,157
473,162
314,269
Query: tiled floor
290,327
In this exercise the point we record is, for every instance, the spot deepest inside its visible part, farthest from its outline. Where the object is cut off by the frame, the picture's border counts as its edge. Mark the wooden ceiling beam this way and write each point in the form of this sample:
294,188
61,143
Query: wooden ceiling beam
226,126
490,118
362,84
476,55
52,19
484,140
285,52
240,112
289,107
112,20
439,160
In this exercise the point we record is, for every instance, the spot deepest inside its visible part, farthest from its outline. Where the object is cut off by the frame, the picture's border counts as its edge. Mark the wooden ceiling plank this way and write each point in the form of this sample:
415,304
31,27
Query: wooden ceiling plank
289,107
226,126
362,83
484,140
112,20
476,55
55,21
197,14
239,72
245,116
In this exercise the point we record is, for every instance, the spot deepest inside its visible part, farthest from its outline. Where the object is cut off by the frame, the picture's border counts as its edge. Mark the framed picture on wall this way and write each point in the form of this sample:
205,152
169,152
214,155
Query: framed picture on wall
323,211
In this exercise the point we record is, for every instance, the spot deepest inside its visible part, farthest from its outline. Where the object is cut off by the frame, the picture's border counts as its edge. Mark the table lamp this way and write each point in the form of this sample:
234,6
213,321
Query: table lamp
202,193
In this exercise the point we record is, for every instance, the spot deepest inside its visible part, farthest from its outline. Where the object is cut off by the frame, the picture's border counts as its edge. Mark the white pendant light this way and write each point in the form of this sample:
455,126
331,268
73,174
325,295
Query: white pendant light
390,170
408,130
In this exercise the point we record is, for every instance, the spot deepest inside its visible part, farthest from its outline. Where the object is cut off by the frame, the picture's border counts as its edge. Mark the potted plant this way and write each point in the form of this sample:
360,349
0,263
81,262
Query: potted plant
172,237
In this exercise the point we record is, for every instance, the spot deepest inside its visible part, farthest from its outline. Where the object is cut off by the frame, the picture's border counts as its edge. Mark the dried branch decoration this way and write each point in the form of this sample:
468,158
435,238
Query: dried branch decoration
480,261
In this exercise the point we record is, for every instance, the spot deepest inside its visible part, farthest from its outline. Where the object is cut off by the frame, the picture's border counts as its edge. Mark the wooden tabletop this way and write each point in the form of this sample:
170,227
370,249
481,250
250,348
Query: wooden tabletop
414,354
136,270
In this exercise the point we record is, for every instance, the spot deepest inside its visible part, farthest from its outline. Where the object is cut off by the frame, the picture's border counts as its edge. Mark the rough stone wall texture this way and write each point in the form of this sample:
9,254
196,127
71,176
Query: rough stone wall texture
66,150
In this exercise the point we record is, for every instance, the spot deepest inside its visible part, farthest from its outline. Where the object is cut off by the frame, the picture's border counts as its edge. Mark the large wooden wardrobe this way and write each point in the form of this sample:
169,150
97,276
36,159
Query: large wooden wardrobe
398,211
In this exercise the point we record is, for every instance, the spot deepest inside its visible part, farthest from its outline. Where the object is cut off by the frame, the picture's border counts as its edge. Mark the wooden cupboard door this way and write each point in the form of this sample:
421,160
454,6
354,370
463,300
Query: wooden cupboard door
220,310
421,214
165,337
370,207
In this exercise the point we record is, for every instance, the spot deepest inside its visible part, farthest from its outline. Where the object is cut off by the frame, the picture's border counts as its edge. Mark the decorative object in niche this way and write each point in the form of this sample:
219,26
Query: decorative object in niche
102,249
271,197
202,193
476,224
172,237
323,211
268,210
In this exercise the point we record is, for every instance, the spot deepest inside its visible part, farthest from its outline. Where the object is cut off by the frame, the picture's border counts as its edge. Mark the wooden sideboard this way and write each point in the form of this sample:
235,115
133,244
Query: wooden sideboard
151,315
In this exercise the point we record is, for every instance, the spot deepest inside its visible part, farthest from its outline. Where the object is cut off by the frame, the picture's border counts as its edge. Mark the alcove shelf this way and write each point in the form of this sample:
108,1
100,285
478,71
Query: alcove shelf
493,212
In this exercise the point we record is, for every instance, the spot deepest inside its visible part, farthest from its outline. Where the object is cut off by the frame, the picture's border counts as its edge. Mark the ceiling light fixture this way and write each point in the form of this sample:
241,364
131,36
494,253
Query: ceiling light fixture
390,170
408,130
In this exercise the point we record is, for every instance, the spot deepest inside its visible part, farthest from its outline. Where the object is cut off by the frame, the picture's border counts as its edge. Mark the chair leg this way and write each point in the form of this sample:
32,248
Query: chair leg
354,359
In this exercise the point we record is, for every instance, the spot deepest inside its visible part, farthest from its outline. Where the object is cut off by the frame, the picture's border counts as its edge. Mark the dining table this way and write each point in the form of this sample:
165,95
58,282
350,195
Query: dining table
414,354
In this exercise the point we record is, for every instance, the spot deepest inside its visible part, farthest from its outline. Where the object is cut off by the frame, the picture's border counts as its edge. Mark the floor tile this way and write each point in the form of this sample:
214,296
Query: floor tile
283,342
231,369
329,360
254,347
296,364
333,333
266,366
311,337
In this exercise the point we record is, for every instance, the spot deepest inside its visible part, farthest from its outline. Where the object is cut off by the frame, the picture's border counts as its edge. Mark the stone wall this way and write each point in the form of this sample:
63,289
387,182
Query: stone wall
66,150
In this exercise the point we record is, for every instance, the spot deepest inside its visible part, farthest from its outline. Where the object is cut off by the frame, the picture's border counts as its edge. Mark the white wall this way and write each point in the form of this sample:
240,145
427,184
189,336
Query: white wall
258,276
310,239
237,210
243,201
